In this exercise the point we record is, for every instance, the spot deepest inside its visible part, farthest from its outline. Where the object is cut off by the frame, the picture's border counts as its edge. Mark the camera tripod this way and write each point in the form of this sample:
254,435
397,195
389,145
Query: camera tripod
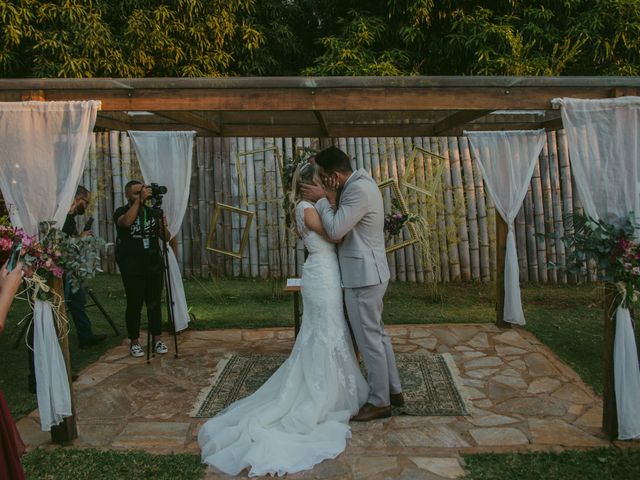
96,303
159,215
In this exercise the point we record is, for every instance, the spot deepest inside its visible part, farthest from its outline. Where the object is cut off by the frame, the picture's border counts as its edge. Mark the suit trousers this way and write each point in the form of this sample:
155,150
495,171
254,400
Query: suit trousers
364,307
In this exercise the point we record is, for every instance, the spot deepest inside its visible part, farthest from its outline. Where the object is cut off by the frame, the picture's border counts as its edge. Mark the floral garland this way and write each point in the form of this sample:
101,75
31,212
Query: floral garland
288,169
395,221
615,251
52,256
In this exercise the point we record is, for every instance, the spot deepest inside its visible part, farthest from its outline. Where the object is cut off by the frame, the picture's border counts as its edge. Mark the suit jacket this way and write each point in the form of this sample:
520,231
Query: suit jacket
359,222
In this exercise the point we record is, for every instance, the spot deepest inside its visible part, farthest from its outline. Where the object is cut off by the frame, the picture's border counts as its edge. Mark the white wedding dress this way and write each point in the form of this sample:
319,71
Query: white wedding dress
300,416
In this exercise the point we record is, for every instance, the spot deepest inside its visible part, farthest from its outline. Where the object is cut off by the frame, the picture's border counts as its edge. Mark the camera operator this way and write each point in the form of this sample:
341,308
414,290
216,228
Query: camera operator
139,258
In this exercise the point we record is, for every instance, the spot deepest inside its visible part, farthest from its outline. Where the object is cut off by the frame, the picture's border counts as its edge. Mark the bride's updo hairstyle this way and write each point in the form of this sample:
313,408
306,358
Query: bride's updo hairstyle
305,172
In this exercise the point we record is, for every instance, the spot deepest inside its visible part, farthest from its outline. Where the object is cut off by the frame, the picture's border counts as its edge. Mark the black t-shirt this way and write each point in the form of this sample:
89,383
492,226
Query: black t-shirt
137,247
70,227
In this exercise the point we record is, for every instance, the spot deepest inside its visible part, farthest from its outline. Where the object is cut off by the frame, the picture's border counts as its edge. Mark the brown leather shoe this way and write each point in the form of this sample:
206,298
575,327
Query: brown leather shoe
397,399
371,412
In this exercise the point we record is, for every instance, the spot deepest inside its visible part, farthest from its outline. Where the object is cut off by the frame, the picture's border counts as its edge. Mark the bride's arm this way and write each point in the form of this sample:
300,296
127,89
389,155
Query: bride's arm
313,222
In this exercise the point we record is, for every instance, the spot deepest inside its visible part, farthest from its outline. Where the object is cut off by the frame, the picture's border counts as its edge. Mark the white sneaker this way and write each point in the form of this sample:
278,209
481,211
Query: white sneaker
137,350
160,347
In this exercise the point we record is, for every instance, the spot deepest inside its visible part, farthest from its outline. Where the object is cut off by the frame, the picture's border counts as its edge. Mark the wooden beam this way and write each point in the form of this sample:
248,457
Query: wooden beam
190,118
623,92
323,122
33,95
67,431
553,124
458,119
112,124
501,252
609,407
356,99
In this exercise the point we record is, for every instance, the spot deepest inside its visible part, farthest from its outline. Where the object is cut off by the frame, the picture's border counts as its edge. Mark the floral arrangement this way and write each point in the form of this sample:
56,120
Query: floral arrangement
290,164
288,168
395,221
52,256
37,258
615,251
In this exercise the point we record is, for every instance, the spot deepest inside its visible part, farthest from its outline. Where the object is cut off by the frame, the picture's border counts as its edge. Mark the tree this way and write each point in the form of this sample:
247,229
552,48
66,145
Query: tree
139,38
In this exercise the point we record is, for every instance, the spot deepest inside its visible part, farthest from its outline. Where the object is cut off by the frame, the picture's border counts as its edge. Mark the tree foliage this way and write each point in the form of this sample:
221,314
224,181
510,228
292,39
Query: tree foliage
142,38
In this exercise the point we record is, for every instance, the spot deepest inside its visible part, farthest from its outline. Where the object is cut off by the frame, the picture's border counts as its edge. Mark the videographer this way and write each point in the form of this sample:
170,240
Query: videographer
76,301
138,255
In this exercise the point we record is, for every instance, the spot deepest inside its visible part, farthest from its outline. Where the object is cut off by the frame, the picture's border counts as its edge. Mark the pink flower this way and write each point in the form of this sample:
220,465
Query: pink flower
57,271
5,244
27,241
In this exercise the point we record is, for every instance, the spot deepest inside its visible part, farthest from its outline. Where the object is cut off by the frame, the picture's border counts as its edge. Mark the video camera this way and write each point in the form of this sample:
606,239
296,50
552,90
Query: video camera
157,191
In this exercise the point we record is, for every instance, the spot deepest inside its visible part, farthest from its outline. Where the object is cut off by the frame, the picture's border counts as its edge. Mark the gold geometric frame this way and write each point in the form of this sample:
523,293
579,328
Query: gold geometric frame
220,207
413,233
242,185
410,168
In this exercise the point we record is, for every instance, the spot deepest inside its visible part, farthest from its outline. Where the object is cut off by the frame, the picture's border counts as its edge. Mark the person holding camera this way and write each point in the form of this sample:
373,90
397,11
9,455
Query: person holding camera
76,301
139,258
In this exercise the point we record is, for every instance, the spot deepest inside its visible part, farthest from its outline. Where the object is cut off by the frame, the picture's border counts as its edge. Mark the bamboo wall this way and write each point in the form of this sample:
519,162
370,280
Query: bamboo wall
463,215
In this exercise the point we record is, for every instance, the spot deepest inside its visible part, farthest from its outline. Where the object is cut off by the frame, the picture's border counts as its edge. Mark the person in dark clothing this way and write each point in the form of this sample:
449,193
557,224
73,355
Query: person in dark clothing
75,301
139,259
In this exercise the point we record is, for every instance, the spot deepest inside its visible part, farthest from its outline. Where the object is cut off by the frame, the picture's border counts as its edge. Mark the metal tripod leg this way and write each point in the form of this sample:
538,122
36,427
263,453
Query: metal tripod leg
103,311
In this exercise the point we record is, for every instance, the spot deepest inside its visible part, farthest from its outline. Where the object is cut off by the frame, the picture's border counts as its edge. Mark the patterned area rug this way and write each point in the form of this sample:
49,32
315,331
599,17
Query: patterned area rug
428,383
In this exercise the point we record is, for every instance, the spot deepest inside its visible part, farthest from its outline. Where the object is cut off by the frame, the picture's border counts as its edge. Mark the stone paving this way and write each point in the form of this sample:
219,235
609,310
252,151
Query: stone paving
520,396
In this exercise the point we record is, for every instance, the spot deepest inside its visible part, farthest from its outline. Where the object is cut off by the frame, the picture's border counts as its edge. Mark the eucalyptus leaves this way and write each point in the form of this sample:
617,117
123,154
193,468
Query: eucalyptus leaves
614,249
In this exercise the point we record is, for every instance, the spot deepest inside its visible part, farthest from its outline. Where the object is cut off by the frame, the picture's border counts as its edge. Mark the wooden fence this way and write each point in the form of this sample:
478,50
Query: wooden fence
462,214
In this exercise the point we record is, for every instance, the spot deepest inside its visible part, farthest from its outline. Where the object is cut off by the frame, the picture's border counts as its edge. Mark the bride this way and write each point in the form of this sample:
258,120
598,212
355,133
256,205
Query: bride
300,416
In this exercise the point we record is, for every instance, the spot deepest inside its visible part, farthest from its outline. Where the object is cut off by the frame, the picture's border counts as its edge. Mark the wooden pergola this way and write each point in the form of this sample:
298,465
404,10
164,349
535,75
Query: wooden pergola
326,107
323,106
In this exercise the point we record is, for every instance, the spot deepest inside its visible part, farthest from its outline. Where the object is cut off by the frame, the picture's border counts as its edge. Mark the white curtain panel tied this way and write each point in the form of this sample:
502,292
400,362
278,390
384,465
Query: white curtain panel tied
165,158
506,161
44,150
604,137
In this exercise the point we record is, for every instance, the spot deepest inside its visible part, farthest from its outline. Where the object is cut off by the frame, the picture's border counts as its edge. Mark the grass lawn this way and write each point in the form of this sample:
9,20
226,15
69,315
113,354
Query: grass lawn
89,464
566,318
73,464
606,463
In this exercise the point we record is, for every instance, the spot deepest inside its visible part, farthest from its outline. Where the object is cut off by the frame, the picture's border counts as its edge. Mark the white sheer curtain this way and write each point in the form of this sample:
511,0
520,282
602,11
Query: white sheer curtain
506,161
44,149
604,137
165,158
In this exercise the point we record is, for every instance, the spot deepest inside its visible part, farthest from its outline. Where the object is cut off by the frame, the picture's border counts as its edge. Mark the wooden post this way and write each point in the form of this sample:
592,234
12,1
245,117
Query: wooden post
609,410
501,251
67,431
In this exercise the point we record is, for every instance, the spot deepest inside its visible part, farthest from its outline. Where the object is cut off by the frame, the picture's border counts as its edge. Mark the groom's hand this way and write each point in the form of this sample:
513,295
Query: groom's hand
312,192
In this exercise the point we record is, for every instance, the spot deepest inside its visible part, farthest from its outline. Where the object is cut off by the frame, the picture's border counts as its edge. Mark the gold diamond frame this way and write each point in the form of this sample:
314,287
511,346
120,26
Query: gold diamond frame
410,170
393,185
242,185
217,212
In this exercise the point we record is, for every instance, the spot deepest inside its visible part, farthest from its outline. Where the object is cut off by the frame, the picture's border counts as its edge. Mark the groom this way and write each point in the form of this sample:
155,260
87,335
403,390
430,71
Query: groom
358,222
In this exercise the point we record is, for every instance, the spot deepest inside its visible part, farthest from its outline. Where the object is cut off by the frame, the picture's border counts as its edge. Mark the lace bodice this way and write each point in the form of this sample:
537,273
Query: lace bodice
313,242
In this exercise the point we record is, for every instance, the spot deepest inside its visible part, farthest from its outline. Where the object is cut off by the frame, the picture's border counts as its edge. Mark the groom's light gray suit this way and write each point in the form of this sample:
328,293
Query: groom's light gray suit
359,222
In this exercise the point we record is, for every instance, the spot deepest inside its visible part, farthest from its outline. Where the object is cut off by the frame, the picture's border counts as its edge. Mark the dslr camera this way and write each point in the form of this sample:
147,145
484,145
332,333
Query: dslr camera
157,191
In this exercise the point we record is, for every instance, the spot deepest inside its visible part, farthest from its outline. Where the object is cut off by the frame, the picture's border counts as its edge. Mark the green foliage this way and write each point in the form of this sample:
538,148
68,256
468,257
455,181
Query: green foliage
80,464
612,249
601,463
359,49
138,38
